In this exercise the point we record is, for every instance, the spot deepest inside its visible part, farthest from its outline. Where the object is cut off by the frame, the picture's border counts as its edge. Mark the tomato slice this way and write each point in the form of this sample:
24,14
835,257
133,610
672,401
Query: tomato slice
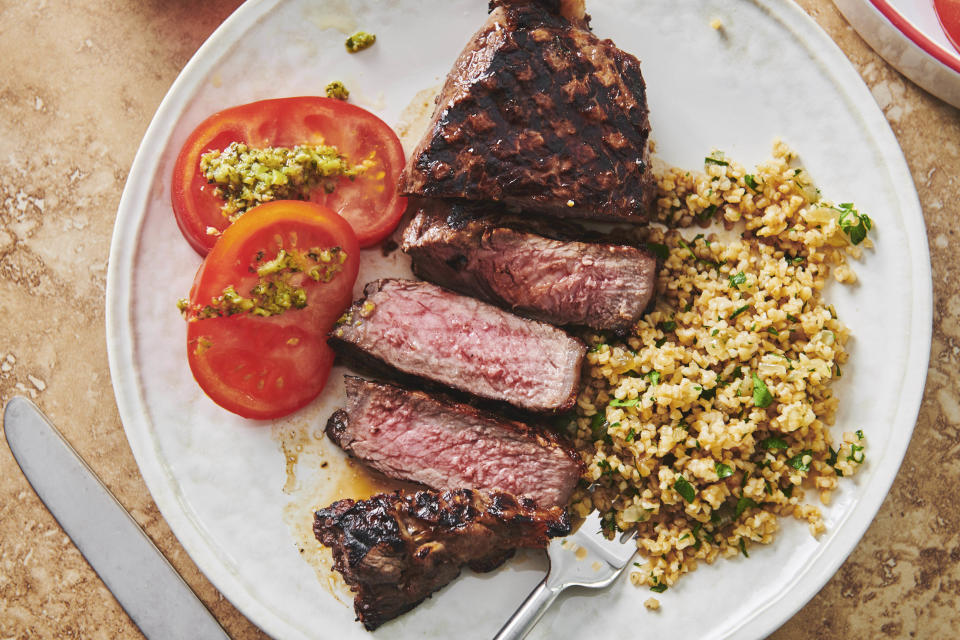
268,366
370,203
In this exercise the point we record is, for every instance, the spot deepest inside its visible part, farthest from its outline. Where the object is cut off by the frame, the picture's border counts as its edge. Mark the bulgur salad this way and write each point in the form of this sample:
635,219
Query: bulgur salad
712,418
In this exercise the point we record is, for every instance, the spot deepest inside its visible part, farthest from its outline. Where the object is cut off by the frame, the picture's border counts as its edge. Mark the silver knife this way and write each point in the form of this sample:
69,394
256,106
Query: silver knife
148,588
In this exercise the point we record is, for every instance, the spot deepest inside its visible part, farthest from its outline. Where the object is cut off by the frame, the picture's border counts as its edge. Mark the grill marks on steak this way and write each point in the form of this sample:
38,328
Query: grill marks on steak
540,114
428,332
395,550
604,286
411,435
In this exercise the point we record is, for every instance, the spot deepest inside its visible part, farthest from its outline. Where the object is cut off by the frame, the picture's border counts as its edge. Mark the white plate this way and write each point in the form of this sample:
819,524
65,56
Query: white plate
908,35
769,72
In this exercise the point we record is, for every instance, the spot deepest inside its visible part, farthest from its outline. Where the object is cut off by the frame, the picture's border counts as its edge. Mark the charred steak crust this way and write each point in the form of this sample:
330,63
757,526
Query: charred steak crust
339,422
540,114
605,286
430,439
459,213
395,550
424,331
572,10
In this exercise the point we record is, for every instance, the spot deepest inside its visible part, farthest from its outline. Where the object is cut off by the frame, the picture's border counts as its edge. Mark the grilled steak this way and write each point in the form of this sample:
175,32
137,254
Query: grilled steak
411,435
604,286
395,550
540,114
424,331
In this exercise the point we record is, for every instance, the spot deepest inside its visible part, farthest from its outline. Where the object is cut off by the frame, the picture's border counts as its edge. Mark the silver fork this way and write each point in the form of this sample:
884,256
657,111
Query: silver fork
584,559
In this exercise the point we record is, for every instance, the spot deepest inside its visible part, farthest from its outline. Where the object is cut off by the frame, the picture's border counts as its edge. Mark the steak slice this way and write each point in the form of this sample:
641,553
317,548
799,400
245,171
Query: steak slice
425,331
603,286
412,435
394,550
540,114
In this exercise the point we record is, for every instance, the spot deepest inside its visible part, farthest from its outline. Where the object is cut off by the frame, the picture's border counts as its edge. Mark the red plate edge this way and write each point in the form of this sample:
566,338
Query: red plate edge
915,35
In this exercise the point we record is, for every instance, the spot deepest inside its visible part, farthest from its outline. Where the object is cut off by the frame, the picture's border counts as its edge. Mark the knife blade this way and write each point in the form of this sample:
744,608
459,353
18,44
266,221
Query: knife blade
147,586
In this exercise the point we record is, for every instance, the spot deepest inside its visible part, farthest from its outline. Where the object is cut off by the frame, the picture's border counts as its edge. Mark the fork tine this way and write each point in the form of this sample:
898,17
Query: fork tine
619,550
615,553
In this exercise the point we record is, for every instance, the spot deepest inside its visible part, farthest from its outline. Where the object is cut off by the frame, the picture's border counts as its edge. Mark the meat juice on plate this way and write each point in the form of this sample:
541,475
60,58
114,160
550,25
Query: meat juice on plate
317,473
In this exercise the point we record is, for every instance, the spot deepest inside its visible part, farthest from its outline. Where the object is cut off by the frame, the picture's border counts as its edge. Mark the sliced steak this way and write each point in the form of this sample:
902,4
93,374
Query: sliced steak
428,332
395,550
540,114
411,435
604,286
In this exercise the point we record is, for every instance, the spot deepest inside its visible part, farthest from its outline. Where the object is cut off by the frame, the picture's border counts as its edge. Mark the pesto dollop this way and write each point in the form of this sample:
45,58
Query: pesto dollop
279,284
360,41
245,176
338,90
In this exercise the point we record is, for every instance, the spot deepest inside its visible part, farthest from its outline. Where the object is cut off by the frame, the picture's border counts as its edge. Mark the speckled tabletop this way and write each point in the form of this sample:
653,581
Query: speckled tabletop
80,83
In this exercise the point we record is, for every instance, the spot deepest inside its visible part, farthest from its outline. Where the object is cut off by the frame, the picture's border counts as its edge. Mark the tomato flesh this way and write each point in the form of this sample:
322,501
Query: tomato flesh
370,202
268,366
251,369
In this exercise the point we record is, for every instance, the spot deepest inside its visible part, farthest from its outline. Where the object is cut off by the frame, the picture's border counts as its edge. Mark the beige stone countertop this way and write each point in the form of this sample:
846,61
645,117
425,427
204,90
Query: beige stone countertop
80,83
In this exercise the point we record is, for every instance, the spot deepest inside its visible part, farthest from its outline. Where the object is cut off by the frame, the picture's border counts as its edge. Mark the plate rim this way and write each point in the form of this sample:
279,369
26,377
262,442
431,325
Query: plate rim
131,403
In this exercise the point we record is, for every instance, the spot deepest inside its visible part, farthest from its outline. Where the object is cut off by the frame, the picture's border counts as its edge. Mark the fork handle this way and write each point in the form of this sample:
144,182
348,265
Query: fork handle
530,612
